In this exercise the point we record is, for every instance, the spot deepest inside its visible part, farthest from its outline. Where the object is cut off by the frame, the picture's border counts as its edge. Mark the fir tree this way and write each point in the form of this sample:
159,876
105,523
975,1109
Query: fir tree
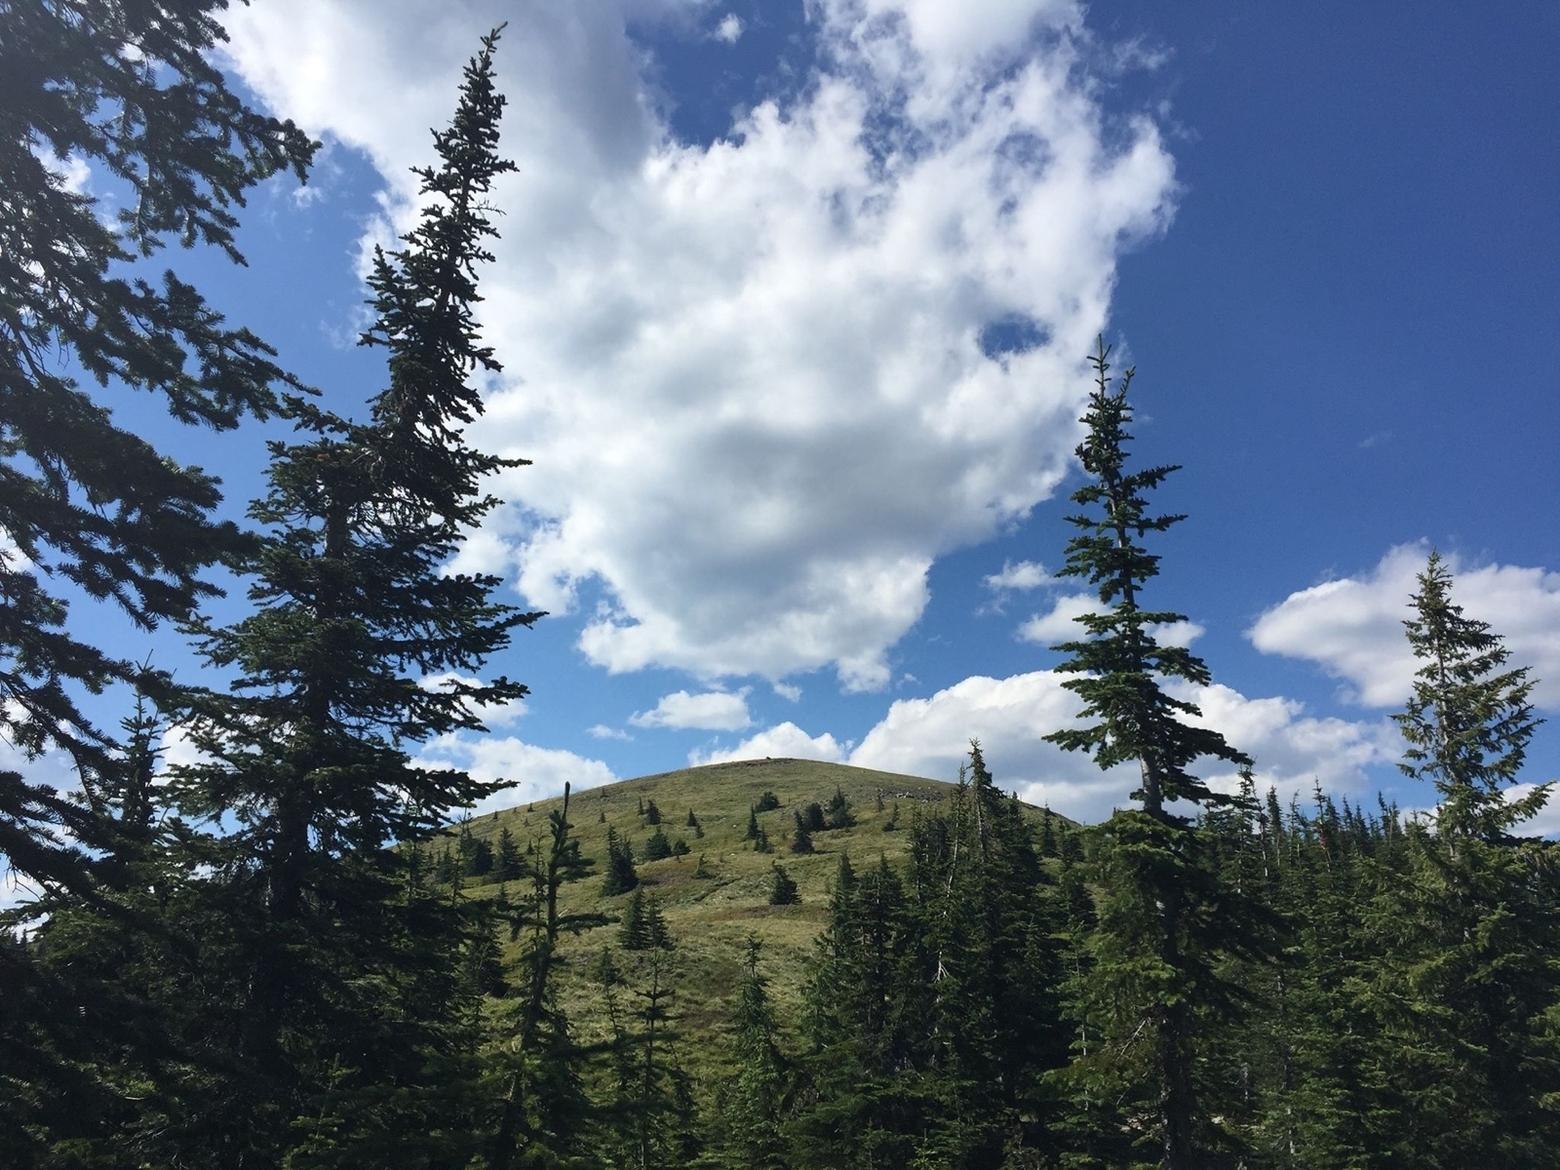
540,1100
652,814
507,864
480,861
767,801
1470,718
702,869
308,751
751,1108
752,831
839,815
1163,919
634,928
812,818
801,840
82,499
782,889
761,842
658,848
621,875
1462,985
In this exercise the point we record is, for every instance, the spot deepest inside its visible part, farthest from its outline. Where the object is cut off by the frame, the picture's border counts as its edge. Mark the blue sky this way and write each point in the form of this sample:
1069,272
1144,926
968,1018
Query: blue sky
794,301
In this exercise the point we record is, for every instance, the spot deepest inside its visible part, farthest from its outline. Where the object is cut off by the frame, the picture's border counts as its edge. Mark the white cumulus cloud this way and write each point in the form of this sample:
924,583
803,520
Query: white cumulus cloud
1060,624
706,711
493,714
784,741
1353,626
729,29
750,373
535,772
1011,716
1019,575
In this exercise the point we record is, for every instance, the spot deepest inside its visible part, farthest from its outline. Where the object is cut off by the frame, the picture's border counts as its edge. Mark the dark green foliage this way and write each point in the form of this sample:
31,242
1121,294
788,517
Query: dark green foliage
801,839
1047,834
1464,922
506,866
1469,720
893,819
767,801
620,875
658,847
811,818
839,814
1155,992
85,505
782,888
933,1005
534,1080
651,814
643,926
702,869
761,842
752,831
479,863
633,933
311,991
680,848
751,1107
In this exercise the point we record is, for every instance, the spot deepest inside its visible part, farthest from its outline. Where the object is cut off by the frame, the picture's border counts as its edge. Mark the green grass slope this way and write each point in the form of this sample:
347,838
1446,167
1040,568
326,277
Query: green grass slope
710,919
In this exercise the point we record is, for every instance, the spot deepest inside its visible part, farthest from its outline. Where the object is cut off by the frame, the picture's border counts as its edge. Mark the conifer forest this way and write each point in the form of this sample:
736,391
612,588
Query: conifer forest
299,950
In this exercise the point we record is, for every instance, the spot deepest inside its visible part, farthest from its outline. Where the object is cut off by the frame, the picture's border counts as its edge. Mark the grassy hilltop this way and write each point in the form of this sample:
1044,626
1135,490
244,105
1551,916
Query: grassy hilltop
710,919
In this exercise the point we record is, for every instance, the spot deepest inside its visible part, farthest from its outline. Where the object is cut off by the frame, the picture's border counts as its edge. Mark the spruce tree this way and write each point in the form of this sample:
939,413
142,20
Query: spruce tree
1163,919
621,875
1470,717
839,815
658,847
86,507
801,839
1464,991
782,889
308,752
634,928
652,814
537,1078
752,1105
507,864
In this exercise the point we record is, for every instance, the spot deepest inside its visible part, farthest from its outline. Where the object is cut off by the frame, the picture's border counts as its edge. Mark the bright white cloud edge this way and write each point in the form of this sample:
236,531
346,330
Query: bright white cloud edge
794,313
1352,627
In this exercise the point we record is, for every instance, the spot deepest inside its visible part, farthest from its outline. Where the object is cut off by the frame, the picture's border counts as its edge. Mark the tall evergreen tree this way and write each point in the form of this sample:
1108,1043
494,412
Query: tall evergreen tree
86,507
753,1105
1470,717
1464,991
307,754
621,875
541,1108
1164,919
